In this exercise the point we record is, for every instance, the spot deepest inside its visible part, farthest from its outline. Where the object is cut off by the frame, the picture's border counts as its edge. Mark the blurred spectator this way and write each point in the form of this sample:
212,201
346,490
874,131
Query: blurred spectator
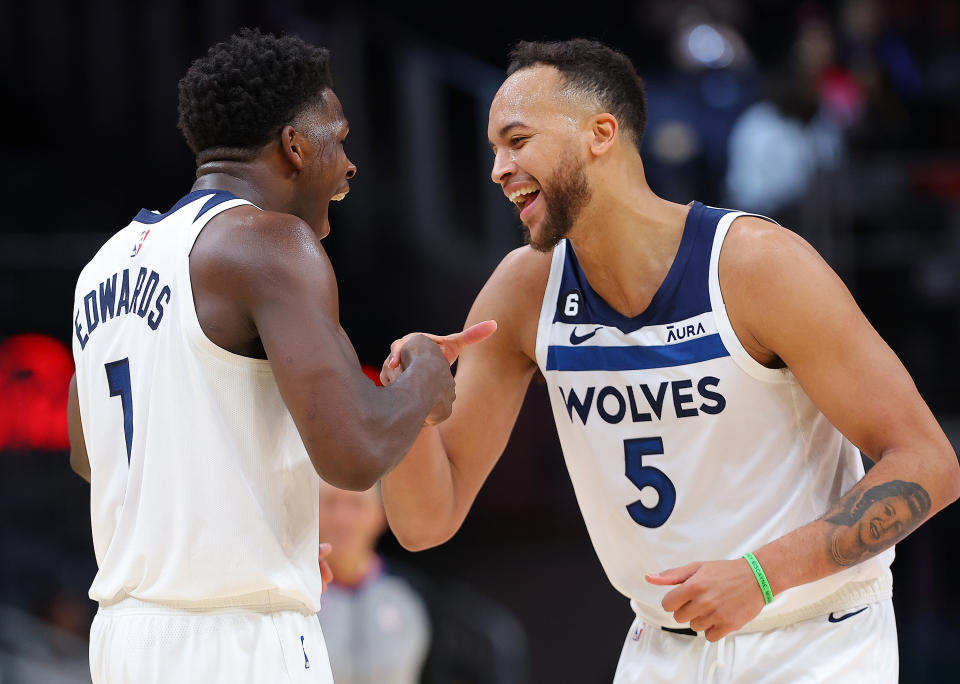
872,43
377,617
777,147
886,70
376,627
816,58
780,145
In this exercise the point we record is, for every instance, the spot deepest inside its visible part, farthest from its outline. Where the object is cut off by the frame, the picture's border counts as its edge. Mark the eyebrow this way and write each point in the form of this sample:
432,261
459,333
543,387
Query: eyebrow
506,129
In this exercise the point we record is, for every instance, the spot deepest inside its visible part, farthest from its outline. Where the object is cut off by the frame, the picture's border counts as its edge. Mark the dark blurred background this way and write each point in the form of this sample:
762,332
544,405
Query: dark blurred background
838,119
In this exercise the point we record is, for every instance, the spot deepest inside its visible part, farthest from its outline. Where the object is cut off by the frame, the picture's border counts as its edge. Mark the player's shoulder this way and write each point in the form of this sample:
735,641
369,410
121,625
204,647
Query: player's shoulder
524,266
518,282
758,248
271,232
248,253
771,277
252,239
513,296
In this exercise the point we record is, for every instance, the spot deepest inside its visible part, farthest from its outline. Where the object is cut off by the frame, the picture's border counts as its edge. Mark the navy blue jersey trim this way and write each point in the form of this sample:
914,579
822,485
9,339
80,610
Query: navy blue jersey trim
219,197
685,290
148,217
562,358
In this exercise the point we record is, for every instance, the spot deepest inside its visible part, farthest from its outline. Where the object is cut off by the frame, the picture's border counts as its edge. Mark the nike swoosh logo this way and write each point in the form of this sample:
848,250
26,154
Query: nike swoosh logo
833,618
577,339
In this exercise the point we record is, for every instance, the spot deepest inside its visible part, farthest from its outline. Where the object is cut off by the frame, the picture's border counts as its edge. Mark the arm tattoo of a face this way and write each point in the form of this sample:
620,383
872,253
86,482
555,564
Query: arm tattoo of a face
872,521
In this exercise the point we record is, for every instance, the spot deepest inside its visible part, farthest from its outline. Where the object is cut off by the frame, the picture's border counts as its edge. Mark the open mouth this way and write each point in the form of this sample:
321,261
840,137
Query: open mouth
523,197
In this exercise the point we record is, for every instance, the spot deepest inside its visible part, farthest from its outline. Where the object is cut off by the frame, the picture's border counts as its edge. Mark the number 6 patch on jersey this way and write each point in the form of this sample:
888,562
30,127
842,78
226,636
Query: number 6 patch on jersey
570,305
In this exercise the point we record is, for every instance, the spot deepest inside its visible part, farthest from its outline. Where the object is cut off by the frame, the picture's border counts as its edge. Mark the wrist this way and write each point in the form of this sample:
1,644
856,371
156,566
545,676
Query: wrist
760,576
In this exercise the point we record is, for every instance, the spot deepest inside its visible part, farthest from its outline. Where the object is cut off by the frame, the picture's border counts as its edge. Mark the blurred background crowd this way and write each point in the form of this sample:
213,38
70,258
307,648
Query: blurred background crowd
839,119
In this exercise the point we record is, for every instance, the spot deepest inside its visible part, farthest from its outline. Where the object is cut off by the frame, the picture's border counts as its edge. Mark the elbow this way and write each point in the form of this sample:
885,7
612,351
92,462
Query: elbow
414,545
954,479
351,477
355,469
356,481
947,472
423,537
417,542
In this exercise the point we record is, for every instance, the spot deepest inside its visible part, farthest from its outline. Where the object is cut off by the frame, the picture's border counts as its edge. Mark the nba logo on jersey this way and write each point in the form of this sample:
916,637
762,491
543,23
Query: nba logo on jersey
136,247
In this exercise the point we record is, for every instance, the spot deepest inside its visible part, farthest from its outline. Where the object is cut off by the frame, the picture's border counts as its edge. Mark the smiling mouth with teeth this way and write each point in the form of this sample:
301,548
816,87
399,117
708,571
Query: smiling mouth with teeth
521,197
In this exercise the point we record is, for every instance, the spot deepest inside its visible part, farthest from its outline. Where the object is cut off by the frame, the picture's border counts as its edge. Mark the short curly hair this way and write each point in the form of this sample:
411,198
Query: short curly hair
595,71
245,89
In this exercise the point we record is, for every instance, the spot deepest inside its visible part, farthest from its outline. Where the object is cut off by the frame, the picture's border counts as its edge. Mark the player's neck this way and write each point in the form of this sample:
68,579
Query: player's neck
626,241
251,181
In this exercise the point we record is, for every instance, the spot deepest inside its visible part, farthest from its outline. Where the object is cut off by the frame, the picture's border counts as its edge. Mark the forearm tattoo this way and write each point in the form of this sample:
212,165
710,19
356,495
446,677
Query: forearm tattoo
872,521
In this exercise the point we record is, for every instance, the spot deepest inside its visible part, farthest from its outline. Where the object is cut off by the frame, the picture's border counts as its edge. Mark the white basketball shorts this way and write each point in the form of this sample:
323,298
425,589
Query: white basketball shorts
134,642
853,646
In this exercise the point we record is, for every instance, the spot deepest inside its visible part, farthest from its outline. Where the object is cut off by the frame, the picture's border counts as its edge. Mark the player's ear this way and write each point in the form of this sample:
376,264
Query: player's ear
603,131
292,146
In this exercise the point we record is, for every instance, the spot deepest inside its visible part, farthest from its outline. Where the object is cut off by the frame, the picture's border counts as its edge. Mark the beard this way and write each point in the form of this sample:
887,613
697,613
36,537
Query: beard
566,194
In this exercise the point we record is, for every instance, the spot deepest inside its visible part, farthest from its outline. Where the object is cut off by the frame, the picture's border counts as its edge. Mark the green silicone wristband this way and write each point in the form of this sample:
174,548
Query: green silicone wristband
761,578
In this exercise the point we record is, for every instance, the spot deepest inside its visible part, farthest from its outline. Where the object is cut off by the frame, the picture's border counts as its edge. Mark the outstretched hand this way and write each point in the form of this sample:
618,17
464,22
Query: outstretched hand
717,597
450,345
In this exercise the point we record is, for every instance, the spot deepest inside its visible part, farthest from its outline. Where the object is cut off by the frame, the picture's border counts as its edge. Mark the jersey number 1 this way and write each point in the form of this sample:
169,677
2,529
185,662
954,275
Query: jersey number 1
118,379
647,476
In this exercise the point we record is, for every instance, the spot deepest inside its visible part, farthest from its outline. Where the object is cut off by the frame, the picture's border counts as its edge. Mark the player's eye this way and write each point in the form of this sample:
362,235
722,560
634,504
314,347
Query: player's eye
890,510
518,140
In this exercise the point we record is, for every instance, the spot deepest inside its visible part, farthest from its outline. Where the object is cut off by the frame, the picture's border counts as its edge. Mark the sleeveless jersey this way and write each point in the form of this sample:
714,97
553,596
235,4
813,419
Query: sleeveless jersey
202,494
680,446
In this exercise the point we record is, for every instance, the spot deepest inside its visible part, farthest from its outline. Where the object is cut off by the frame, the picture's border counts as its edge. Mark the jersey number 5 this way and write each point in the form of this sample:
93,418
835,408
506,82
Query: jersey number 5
118,380
647,476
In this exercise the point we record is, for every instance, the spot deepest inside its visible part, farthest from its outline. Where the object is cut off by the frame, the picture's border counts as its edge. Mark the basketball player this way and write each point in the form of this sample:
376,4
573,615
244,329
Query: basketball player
215,384
711,381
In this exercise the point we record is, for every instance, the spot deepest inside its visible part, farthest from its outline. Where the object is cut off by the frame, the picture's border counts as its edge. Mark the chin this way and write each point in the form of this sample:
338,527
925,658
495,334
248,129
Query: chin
538,240
322,226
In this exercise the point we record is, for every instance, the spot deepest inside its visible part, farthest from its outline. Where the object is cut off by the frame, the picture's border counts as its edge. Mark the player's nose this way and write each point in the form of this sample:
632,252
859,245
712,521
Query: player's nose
504,166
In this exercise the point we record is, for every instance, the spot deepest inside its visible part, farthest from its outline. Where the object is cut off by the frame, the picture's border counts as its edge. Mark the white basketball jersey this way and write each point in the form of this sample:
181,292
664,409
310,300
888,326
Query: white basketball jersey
202,494
680,446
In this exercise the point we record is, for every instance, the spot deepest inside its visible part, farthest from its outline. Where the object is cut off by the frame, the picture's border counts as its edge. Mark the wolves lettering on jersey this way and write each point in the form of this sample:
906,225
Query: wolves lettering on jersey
104,303
612,402
679,445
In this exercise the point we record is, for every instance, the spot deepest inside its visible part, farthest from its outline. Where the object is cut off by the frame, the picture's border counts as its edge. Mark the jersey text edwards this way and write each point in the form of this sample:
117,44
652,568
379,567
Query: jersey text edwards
106,302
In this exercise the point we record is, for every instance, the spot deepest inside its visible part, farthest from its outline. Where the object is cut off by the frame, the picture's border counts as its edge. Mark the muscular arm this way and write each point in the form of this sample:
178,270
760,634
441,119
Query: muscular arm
788,307
79,461
278,282
428,496
802,313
